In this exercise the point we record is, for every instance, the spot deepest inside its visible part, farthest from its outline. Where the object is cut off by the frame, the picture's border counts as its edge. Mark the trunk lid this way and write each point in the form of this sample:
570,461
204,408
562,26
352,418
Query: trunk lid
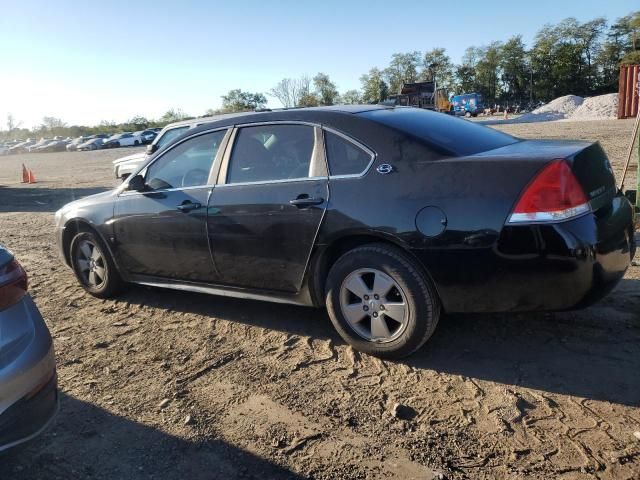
592,169
588,162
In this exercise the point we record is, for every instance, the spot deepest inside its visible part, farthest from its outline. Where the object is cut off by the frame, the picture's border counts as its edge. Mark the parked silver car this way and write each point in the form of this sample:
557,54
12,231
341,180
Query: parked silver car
28,382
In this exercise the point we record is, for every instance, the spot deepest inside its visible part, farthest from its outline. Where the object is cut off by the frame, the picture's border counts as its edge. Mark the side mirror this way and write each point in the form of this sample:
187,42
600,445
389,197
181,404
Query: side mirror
136,183
151,149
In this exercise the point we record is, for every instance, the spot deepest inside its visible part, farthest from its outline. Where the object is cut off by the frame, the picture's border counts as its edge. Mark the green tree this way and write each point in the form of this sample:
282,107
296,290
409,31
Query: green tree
374,88
634,28
487,71
403,68
616,45
631,55
325,89
173,115
562,58
309,100
631,58
588,36
351,97
466,79
137,123
515,69
239,101
437,64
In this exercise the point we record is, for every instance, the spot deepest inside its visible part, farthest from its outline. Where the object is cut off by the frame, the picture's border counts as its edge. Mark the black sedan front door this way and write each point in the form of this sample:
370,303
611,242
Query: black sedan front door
264,218
162,231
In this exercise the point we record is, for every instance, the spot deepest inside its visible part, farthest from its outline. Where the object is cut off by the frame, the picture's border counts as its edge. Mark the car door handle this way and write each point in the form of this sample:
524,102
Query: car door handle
306,201
188,206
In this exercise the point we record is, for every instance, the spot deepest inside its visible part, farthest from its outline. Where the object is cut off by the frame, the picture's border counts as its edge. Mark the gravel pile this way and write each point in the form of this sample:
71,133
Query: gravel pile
602,107
558,109
573,107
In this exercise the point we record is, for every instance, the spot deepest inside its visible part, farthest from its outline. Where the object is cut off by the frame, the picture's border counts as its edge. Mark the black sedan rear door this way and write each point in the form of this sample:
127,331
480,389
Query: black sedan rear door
265,211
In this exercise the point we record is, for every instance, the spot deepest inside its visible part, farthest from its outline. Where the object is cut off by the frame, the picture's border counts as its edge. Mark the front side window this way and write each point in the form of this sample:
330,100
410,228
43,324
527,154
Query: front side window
186,165
345,158
170,135
271,152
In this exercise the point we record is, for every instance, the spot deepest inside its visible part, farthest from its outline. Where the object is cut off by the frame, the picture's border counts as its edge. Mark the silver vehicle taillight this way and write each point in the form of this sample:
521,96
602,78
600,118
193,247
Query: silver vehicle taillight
13,284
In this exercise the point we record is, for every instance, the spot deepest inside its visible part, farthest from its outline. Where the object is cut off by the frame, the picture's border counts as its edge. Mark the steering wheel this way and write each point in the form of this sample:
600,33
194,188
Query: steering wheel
194,177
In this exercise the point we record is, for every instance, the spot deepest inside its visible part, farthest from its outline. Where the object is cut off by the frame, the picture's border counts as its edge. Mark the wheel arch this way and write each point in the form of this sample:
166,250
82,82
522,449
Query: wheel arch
72,228
324,259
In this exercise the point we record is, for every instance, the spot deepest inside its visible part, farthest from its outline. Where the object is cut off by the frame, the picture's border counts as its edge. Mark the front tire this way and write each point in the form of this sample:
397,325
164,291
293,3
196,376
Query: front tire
380,302
93,265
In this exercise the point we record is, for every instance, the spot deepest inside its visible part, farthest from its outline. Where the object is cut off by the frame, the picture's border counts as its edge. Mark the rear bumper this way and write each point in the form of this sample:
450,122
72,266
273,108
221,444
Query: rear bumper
28,386
29,417
550,267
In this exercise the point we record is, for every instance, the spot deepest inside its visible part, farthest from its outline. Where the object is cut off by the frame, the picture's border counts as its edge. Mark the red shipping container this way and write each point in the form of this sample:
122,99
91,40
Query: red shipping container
628,91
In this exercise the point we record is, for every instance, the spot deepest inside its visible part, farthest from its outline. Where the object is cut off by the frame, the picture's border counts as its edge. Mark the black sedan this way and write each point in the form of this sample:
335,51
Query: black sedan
389,216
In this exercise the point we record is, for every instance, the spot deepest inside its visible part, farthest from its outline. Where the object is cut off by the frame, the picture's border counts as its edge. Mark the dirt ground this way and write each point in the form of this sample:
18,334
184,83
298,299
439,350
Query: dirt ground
168,385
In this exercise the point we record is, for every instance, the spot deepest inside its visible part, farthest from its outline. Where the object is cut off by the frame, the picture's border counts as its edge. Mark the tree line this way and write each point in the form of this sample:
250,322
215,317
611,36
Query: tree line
569,57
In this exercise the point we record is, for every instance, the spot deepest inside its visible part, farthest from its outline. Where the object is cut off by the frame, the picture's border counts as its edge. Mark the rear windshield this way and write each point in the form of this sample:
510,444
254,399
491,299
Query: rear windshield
446,133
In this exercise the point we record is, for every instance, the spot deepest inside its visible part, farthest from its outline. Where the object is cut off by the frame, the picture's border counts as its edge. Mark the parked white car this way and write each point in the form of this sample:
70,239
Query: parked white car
126,139
125,166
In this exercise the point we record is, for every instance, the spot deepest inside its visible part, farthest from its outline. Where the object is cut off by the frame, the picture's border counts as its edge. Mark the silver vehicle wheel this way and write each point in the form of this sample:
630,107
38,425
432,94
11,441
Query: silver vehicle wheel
91,263
374,305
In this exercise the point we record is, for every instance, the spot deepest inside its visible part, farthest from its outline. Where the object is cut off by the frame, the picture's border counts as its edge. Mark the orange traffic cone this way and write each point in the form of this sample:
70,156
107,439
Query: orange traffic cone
25,174
31,178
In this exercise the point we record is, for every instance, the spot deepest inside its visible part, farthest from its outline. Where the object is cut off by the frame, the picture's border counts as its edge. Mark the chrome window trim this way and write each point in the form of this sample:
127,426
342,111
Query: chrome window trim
182,189
123,189
358,144
277,122
267,182
315,161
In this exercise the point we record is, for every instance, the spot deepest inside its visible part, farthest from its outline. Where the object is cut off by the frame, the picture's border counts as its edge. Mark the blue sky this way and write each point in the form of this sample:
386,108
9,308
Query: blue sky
87,61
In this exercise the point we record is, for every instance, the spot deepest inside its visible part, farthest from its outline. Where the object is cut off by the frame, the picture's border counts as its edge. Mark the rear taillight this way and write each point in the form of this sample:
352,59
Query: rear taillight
553,195
13,284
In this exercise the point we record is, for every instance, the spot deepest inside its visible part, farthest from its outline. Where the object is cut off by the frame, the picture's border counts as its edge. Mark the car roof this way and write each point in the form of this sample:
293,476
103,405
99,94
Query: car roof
353,109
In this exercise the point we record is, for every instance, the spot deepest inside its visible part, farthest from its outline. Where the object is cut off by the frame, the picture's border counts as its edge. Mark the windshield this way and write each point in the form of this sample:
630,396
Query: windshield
447,134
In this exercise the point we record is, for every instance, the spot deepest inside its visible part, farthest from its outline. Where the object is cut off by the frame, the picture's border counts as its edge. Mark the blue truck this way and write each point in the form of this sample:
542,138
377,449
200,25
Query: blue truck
467,104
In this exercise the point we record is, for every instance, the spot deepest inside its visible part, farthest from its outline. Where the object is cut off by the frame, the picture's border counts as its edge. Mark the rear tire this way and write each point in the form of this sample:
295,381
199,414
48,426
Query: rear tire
93,266
380,302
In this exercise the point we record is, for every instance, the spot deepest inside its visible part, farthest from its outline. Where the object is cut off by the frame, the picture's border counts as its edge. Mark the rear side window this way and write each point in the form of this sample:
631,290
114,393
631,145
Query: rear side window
271,152
445,133
345,158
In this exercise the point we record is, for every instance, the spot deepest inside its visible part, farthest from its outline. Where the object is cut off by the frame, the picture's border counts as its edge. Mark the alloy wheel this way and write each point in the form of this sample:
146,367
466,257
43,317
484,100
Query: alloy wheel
374,305
91,264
